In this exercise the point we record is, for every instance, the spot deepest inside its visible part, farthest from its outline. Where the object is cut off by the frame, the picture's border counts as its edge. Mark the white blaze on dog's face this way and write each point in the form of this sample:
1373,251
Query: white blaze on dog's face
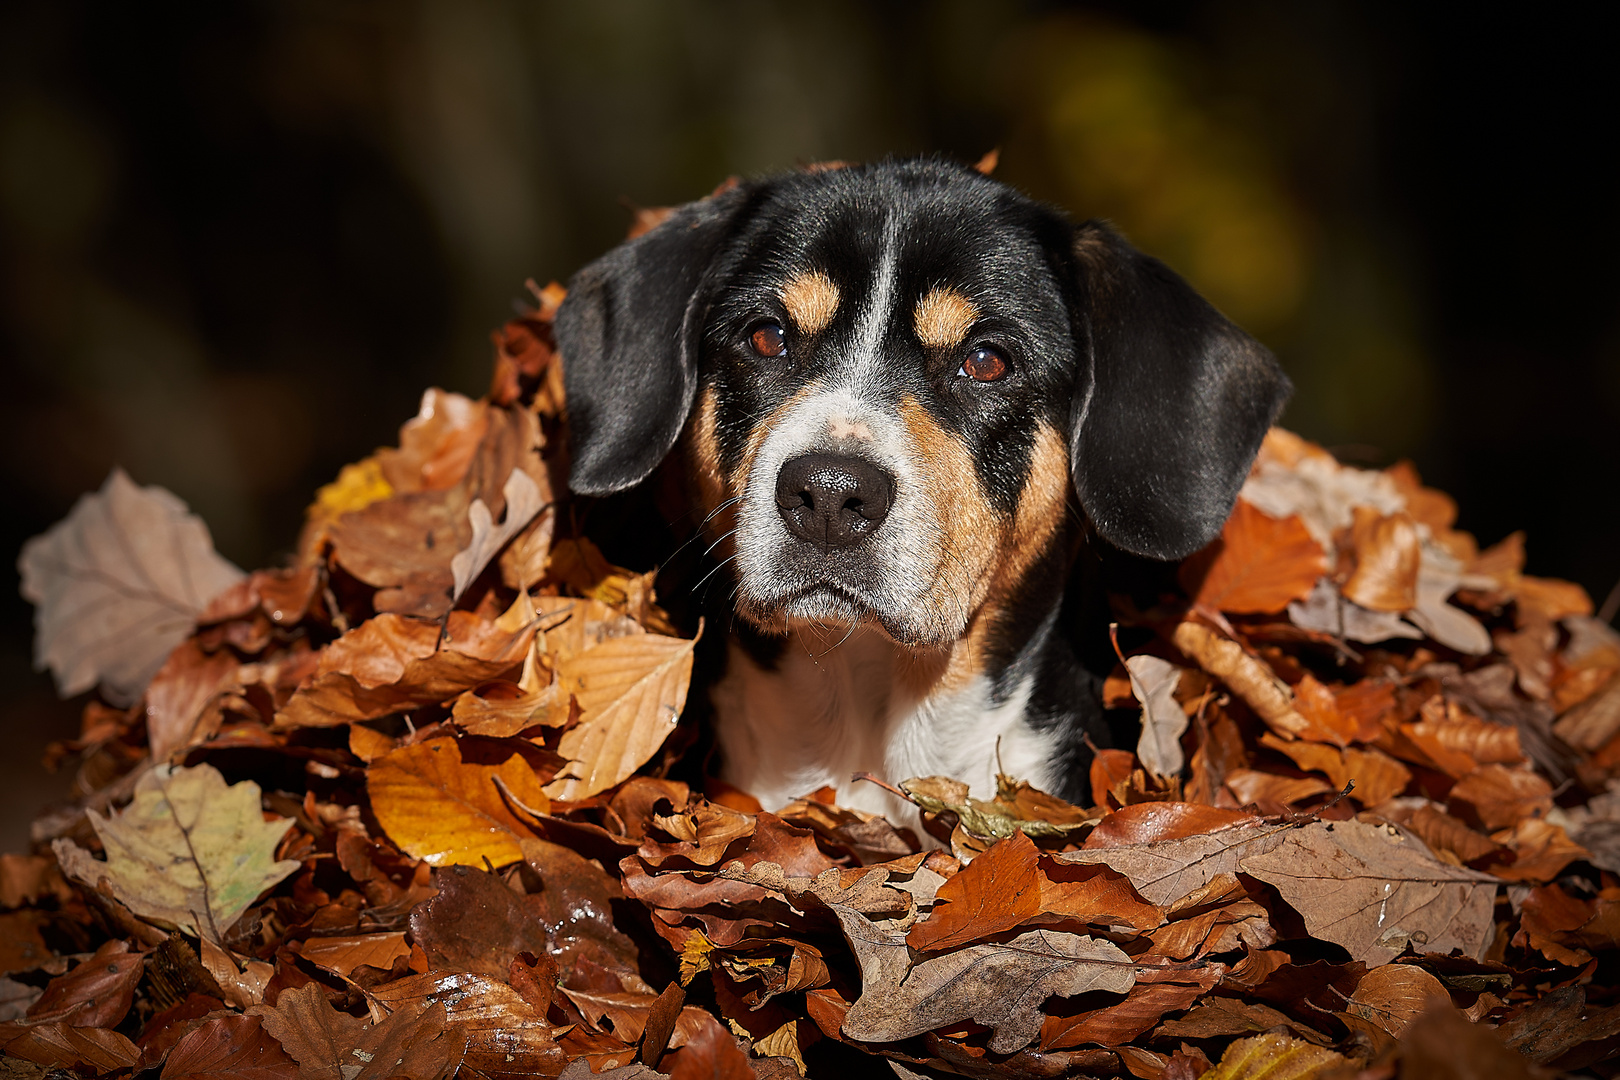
887,410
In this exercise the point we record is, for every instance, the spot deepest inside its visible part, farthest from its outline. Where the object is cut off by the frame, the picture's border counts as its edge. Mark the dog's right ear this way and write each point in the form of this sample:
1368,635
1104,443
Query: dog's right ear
628,335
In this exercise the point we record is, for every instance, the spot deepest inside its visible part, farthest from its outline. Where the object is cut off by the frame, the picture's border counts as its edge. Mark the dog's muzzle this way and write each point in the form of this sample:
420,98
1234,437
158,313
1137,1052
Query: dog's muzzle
833,500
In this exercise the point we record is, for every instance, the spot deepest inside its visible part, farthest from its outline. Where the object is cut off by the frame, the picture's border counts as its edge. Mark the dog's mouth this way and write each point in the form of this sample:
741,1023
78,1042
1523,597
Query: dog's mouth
826,606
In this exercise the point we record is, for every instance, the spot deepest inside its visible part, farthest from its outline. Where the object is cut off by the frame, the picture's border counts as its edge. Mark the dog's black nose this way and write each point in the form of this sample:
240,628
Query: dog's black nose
833,500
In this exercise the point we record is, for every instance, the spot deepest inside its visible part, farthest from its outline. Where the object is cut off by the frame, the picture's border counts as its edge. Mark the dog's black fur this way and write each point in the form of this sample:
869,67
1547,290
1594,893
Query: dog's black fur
964,572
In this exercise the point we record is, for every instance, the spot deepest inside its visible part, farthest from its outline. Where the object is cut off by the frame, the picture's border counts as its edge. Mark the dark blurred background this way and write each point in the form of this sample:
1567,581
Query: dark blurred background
238,240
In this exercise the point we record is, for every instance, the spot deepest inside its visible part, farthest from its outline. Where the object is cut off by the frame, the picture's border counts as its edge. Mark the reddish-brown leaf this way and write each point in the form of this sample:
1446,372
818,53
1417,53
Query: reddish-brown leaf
1144,823
1257,567
96,993
476,923
1498,795
997,891
1120,1022
63,1046
234,1045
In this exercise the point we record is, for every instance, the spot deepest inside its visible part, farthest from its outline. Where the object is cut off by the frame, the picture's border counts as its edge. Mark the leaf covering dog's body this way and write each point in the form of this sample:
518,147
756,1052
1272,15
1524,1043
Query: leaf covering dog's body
893,388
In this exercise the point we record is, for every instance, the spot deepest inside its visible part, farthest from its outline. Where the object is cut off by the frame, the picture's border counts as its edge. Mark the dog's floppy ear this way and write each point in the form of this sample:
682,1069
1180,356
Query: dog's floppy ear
1177,401
628,337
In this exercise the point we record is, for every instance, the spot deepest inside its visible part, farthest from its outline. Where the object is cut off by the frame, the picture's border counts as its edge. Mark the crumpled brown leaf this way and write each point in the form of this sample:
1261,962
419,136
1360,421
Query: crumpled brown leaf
116,585
1001,986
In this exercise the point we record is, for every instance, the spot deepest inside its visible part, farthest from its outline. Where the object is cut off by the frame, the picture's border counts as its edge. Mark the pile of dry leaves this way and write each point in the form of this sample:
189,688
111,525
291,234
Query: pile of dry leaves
404,809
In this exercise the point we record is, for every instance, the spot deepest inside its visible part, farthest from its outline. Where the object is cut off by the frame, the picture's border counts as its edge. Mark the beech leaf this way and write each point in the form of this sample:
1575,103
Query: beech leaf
444,809
630,690
1375,889
523,502
116,585
189,847
1258,566
1001,986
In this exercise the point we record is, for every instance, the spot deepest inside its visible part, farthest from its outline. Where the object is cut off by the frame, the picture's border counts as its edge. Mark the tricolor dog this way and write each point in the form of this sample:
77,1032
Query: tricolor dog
906,397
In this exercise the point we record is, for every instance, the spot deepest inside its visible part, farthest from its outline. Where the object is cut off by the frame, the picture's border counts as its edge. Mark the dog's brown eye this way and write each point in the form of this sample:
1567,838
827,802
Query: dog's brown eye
768,340
984,365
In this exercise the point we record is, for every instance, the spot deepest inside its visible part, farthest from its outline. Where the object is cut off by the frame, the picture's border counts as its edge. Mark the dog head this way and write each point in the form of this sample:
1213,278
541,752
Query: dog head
892,378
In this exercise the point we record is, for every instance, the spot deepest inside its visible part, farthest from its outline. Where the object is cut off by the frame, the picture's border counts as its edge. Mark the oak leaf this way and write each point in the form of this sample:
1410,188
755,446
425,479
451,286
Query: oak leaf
116,585
1154,683
189,851
1001,986
438,800
1375,889
631,691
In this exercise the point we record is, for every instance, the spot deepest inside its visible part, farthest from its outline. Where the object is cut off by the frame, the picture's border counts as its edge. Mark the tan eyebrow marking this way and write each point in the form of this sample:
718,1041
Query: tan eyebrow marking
811,300
944,317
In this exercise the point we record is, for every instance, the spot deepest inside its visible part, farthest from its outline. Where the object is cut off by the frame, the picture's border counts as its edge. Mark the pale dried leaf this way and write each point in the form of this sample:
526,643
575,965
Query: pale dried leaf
631,691
523,501
116,585
1154,683
1164,871
1001,986
1326,612
1375,889
187,848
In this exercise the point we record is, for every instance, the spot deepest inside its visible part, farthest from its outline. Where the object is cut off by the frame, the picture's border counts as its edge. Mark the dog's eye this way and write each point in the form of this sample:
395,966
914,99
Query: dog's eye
769,340
984,364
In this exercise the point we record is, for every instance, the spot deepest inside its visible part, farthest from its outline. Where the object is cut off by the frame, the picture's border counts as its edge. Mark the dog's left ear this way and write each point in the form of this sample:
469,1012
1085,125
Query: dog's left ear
628,334
1164,430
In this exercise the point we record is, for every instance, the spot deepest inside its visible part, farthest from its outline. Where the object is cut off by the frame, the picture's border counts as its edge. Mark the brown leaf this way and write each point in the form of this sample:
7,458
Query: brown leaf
234,1045
21,946
1442,1045
1113,1025
1248,678
1222,1017
328,1045
702,1049
62,1046
1541,850
1000,986
524,499
1389,998
1257,566
504,1033
1387,553
1142,823
1164,871
438,800
1376,775
997,891
96,993
1594,721
344,954
116,585
575,902
631,690
392,663
1443,833
1374,890
1500,796
1250,786
182,688
476,923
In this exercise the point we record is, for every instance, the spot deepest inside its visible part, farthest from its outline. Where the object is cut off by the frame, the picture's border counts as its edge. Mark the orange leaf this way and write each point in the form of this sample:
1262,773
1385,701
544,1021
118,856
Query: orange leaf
1259,565
1387,552
1501,796
444,809
996,891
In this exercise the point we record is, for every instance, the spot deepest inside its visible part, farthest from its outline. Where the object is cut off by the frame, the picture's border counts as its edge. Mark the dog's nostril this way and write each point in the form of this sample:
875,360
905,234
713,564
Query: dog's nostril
833,500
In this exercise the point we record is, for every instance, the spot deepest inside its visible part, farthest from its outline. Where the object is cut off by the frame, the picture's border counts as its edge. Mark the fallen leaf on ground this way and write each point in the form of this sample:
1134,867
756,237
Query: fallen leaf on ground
1376,890
1001,986
1258,566
188,849
439,802
1154,683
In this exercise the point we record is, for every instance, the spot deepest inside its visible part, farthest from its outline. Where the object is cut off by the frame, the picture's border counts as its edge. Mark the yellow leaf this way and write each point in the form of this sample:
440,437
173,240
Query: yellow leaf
188,846
630,691
444,809
1274,1057
356,487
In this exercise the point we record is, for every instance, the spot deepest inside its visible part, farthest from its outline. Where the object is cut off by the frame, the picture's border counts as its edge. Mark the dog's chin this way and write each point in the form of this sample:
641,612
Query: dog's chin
824,608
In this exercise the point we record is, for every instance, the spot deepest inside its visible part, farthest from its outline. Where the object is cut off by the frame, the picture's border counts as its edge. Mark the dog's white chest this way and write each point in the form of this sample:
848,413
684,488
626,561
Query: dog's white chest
830,710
